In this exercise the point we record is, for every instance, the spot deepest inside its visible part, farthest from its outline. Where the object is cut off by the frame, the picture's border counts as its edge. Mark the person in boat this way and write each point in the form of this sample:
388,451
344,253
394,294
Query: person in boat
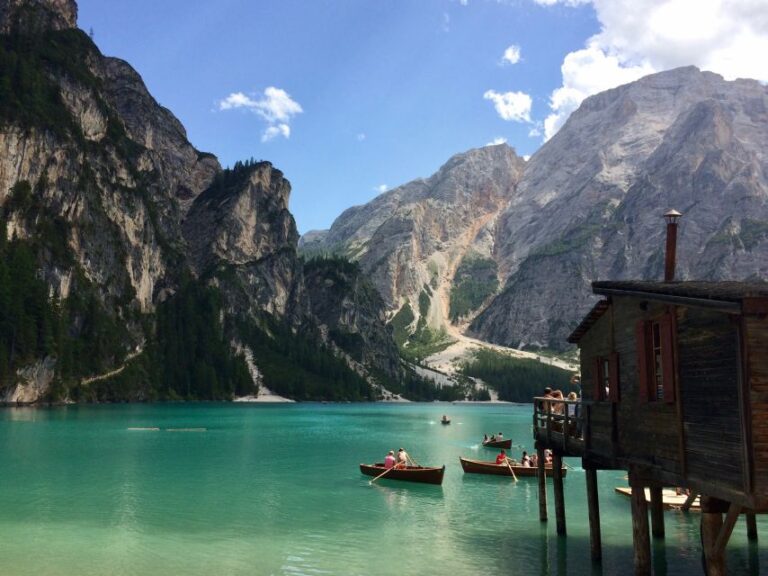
402,458
485,438
493,438
534,460
499,436
547,456
389,460
501,458
525,460
445,418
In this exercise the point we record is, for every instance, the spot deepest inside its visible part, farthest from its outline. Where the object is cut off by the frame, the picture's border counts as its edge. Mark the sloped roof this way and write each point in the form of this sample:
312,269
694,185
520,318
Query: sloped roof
726,291
589,320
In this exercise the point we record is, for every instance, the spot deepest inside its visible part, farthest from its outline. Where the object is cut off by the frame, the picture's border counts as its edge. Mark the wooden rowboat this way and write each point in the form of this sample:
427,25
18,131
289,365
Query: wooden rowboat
423,474
507,443
483,467
445,421
671,500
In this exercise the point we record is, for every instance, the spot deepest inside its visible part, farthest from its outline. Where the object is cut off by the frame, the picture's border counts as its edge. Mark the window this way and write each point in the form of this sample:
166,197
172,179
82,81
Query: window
605,378
655,359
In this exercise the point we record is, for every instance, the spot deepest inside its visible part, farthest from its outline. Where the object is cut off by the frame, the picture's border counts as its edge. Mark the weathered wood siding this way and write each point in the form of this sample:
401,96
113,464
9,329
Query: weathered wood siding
708,357
702,428
756,342
643,431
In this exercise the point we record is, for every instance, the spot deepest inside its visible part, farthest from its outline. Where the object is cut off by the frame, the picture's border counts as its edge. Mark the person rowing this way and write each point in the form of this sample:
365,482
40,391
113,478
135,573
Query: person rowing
402,458
501,458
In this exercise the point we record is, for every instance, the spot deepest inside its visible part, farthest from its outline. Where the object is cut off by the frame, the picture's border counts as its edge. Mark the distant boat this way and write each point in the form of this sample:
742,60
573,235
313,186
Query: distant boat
504,443
422,474
670,499
483,467
445,420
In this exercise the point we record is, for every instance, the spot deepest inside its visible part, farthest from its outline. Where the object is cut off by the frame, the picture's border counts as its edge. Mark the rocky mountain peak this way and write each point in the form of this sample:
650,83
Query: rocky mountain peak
37,15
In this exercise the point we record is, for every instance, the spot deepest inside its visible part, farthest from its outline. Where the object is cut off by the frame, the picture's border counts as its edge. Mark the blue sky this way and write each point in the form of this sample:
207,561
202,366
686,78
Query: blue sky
348,96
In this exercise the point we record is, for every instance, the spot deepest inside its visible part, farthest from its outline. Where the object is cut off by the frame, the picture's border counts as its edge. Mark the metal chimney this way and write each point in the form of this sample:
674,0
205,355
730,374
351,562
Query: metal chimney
672,218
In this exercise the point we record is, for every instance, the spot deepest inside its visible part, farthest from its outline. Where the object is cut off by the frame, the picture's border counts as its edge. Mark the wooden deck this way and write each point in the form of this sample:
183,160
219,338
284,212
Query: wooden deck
555,428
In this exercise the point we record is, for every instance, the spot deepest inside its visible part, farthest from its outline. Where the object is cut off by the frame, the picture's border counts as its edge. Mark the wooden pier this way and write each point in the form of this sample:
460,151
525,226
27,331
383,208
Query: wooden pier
674,392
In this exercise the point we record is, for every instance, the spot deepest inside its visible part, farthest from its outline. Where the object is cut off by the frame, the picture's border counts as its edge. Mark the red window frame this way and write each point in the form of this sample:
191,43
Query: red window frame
655,341
605,378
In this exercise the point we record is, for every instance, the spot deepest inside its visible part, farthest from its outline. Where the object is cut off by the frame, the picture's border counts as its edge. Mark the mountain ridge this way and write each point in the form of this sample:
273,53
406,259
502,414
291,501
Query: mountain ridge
588,205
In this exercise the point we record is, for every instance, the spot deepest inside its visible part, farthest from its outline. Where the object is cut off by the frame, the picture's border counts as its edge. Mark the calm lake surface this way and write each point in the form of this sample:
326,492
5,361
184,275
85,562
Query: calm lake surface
276,489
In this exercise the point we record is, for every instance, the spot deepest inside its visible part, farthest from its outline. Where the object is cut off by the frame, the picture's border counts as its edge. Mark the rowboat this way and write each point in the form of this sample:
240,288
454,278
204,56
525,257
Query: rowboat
498,443
670,499
423,474
445,421
483,467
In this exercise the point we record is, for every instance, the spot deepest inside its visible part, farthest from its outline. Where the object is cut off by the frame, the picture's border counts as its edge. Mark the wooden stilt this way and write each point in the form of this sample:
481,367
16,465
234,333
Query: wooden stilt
657,512
751,527
689,502
715,534
557,477
711,522
595,542
542,485
640,538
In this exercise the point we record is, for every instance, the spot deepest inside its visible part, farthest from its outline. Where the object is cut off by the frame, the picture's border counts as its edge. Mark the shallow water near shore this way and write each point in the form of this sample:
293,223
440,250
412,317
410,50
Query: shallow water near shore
229,489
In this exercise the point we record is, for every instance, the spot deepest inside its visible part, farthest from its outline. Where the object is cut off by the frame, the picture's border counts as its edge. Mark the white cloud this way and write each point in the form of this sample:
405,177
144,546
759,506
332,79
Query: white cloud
275,106
638,37
463,2
534,132
586,72
381,188
515,106
527,157
276,130
496,141
511,55
446,22
361,136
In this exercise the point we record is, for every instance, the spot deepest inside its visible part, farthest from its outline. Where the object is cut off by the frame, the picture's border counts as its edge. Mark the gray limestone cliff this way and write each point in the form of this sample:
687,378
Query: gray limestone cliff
101,185
586,206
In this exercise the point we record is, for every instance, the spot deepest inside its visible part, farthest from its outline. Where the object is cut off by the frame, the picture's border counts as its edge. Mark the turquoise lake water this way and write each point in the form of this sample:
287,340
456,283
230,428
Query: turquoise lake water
276,489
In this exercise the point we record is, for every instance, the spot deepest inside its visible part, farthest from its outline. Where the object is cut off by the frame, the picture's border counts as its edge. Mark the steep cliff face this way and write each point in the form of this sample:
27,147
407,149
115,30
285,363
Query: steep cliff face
413,239
590,201
103,198
241,227
586,206
37,15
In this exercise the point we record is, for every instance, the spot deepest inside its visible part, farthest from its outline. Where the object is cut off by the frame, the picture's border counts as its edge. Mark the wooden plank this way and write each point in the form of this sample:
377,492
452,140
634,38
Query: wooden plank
751,526
640,539
593,503
542,478
727,529
711,523
689,501
557,477
657,512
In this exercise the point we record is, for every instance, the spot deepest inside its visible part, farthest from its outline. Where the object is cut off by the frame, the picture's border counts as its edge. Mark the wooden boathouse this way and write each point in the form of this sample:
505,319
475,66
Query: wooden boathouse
675,391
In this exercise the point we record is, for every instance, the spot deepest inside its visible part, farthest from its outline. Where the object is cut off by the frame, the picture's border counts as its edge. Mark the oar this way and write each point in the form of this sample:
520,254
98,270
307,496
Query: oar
510,468
380,475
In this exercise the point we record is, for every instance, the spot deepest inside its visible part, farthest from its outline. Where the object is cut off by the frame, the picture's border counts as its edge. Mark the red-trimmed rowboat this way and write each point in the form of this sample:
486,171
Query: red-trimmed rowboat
410,473
498,443
483,467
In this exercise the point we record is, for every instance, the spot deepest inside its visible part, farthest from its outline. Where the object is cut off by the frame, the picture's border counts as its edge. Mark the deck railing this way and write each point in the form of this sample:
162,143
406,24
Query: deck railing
556,420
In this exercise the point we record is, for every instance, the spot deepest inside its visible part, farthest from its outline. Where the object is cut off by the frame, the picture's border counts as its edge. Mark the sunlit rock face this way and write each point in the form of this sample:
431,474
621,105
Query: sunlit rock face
586,206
